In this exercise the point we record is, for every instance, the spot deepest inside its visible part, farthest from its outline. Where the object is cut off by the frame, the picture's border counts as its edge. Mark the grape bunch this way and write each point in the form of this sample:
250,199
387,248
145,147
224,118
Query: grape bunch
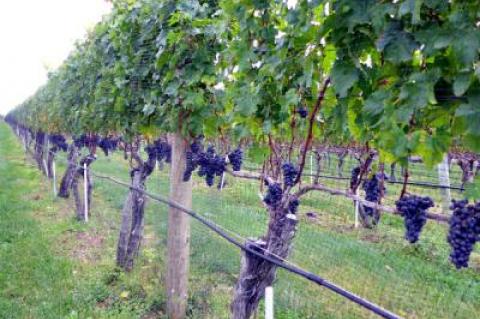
211,165
80,141
290,173
108,145
464,231
164,151
355,177
151,151
58,141
191,165
196,147
235,158
303,112
372,193
86,141
274,195
293,205
414,211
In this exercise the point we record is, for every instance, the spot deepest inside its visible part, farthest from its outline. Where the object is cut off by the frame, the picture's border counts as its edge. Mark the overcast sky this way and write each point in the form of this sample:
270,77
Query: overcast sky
37,35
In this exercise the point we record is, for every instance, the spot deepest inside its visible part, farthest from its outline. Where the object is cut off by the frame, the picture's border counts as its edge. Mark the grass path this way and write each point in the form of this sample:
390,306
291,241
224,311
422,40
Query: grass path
34,281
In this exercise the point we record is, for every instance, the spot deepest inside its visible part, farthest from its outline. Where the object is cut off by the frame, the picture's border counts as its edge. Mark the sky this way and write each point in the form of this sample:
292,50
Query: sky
36,36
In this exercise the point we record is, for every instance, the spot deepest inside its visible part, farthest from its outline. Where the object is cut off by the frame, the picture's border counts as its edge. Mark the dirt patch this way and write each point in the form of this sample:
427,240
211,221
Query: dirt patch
373,238
87,247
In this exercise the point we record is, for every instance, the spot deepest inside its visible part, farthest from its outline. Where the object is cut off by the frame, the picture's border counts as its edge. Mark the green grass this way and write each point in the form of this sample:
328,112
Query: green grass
414,281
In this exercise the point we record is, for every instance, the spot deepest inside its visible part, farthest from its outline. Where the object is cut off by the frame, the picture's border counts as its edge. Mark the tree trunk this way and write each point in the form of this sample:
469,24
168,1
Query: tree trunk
256,274
178,241
67,179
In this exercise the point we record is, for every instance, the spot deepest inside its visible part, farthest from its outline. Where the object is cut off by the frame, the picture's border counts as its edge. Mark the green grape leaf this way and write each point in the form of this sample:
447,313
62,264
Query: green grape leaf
343,76
461,83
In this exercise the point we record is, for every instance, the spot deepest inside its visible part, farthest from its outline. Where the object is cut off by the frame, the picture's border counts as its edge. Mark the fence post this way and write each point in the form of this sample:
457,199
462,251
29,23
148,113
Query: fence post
444,180
268,303
85,191
178,238
54,172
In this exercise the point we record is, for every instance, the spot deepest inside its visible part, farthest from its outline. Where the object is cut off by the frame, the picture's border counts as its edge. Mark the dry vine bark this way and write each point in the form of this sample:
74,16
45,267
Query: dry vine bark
78,174
256,274
66,183
131,229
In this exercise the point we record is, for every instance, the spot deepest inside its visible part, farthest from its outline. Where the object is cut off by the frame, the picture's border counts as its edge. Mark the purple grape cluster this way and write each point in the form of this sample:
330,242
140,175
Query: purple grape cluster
414,211
372,192
302,110
108,144
58,141
274,195
355,176
210,163
293,205
290,173
464,231
163,151
85,141
235,158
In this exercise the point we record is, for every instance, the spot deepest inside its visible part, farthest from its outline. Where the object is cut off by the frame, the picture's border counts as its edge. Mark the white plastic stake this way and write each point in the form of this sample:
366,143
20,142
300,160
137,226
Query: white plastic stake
85,189
269,303
45,167
54,171
222,181
311,168
444,179
357,203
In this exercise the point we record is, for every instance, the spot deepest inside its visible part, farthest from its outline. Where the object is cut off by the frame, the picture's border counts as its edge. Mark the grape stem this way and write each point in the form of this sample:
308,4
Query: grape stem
308,140
405,182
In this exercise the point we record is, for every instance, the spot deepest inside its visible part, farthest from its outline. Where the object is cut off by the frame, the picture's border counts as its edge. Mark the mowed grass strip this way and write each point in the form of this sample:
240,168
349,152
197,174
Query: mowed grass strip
34,282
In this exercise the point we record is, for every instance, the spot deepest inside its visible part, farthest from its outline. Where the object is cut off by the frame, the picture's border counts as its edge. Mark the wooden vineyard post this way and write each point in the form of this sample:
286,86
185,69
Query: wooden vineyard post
444,179
85,191
178,241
